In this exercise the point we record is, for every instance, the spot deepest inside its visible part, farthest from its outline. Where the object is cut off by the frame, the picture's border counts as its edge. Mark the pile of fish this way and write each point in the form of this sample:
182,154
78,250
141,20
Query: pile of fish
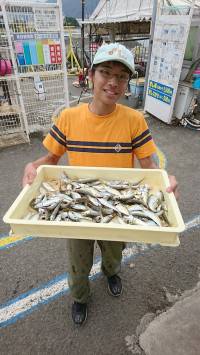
99,201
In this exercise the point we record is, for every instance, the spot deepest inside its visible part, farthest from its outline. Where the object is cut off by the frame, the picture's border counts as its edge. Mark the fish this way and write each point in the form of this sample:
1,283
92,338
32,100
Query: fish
106,210
47,186
89,191
43,214
147,214
153,203
75,195
112,191
94,201
90,213
134,221
121,209
55,212
78,207
107,204
124,197
107,219
99,201
135,208
87,180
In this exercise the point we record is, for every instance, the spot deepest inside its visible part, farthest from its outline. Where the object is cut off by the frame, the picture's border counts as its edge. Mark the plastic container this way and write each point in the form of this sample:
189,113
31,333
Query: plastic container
196,79
156,178
196,83
137,87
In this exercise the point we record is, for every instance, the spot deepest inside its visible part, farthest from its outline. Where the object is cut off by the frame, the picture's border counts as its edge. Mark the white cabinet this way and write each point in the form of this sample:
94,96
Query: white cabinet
184,96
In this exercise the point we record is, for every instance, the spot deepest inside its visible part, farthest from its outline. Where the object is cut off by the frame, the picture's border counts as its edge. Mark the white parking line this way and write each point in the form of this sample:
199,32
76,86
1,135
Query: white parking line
26,303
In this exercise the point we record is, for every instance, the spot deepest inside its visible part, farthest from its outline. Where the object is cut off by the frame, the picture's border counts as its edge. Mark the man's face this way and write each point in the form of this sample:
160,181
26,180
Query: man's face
110,81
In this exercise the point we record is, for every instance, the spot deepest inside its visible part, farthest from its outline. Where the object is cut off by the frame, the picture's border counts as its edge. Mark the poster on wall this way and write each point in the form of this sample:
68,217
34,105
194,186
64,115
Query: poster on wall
38,48
169,43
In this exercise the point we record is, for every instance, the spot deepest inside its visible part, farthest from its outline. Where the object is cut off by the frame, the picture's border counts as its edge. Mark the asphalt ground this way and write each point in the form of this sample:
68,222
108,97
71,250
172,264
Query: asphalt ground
36,265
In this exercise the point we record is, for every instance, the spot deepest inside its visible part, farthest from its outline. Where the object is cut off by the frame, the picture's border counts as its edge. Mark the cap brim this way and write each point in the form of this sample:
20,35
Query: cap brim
115,60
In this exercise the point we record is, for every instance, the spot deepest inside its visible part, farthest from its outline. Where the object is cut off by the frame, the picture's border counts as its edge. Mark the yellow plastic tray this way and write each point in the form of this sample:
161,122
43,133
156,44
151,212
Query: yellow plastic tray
156,178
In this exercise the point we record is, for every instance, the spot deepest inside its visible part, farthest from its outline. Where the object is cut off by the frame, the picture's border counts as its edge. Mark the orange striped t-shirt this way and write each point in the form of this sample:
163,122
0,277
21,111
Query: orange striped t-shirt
91,140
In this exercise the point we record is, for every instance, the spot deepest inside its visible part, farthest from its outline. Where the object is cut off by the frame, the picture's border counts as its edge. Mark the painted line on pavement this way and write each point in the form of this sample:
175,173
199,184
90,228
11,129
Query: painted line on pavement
162,160
12,240
26,303
195,222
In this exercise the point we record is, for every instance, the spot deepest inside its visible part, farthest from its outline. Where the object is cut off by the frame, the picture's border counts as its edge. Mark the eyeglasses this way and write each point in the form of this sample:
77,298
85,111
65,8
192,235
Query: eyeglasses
108,75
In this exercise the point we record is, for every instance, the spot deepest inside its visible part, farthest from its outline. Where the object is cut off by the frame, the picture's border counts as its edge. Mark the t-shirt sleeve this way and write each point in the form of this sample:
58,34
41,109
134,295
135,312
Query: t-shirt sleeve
55,141
142,142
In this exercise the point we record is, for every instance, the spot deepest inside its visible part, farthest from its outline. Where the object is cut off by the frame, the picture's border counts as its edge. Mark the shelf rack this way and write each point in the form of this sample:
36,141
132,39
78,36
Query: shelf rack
32,38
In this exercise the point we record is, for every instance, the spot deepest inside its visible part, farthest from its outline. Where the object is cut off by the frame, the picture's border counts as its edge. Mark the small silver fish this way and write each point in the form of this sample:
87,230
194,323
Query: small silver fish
94,201
55,212
75,195
90,213
149,215
112,191
48,202
43,214
133,220
87,180
124,197
153,203
89,191
106,203
74,216
106,211
121,209
78,207
107,219
48,187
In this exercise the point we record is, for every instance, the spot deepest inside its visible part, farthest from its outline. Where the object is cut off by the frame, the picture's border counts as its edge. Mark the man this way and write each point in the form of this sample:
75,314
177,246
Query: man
102,133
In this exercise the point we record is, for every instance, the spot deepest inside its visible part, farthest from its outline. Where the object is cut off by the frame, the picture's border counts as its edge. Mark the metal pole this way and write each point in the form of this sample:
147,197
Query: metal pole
153,20
82,33
64,65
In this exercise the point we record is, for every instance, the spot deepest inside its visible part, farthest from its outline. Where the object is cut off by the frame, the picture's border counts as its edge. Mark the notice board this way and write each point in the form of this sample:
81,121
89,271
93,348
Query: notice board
169,43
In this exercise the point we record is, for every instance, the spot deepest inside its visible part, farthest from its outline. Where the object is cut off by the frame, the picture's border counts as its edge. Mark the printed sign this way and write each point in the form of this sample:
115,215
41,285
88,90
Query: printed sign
27,36
160,92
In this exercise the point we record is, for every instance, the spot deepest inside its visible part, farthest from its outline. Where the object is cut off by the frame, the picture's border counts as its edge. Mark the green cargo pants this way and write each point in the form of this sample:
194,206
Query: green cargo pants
80,261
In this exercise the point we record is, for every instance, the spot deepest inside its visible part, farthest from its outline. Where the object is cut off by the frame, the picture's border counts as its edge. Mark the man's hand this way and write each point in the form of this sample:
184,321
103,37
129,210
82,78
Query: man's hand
149,163
30,170
30,173
173,186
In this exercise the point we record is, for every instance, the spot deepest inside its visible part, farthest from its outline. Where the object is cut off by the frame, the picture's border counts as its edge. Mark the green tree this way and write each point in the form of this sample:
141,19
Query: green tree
70,21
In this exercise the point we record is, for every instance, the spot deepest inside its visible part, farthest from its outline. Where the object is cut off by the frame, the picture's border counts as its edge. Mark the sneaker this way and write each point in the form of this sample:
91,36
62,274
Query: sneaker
79,312
114,285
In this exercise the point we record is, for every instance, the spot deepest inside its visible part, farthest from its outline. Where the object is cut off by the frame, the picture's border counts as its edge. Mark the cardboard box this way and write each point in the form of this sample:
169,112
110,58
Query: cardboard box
156,178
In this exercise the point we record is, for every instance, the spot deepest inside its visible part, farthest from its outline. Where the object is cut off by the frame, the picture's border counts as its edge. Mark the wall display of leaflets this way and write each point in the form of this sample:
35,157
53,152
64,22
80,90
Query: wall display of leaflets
27,53
38,52
33,51
40,55
19,47
21,59
55,53
20,53
46,19
52,48
46,53
58,54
